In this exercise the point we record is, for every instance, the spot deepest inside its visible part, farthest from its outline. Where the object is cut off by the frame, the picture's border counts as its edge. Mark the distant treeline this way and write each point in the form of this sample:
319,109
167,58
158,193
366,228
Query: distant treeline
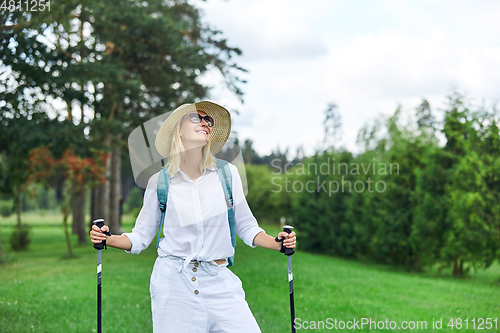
423,192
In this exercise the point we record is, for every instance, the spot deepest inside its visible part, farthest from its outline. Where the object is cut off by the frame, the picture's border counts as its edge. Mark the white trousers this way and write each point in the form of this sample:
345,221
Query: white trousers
203,297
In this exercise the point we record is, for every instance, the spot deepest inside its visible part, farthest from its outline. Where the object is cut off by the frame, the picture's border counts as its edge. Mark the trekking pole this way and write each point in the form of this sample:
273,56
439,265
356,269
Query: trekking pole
99,247
289,252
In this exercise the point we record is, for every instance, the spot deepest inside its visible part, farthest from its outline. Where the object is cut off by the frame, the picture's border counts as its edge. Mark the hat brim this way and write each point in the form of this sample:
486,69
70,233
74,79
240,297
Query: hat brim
220,130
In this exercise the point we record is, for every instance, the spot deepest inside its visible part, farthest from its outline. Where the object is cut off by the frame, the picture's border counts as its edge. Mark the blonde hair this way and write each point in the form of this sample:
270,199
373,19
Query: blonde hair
177,153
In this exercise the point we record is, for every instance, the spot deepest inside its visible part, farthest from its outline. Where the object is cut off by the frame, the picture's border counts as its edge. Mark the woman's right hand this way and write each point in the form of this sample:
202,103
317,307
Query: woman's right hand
97,235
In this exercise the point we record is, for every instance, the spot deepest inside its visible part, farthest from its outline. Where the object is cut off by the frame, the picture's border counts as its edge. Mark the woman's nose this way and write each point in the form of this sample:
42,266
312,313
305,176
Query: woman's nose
204,122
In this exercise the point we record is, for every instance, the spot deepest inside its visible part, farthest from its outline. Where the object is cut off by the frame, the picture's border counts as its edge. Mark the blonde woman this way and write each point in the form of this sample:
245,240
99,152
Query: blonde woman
192,290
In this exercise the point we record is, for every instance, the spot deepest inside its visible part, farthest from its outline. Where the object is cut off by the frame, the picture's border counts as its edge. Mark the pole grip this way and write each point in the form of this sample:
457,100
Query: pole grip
101,245
287,251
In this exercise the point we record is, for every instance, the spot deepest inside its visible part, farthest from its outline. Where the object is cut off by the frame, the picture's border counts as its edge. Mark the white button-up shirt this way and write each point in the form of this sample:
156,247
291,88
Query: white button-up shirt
196,223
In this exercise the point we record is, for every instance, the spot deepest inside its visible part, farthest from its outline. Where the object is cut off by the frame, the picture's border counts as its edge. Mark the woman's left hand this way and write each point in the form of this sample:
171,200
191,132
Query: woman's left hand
289,239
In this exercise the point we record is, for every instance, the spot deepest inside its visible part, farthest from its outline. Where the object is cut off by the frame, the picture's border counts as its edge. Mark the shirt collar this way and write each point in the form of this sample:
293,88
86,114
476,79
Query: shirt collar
178,173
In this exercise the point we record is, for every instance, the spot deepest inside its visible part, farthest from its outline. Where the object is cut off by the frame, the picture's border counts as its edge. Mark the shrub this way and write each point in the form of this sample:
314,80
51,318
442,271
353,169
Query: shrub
20,240
5,208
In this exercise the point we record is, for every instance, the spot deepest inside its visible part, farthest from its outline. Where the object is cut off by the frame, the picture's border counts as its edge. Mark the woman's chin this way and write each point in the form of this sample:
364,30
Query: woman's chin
198,144
195,142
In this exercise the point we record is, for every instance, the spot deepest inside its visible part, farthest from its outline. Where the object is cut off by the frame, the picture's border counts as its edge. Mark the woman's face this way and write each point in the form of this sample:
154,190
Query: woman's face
195,135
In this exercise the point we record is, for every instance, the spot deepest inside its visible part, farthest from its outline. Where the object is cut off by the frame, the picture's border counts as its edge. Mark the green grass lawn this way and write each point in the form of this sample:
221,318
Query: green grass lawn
40,292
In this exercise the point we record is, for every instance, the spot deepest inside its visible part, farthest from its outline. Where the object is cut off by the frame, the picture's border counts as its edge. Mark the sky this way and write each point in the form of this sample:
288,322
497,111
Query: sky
368,57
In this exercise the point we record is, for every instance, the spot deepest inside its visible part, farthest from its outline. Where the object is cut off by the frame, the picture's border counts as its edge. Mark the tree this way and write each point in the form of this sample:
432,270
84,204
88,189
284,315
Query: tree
123,62
70,172
474,233
432,205
400,154
319,194
250,156
425,119
21,133
3,179
332,125
457,192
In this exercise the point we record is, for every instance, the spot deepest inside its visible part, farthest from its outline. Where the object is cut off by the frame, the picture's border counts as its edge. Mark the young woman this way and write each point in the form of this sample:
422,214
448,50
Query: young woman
192,290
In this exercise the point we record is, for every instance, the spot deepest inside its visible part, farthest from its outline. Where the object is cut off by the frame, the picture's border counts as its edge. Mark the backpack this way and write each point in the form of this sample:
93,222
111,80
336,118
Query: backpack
226,181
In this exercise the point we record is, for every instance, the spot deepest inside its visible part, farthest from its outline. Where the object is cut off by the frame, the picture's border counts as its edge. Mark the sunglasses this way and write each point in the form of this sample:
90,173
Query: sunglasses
196,118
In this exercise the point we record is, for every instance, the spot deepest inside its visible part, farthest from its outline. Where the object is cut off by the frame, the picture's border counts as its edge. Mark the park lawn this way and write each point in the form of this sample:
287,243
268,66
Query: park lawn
41,292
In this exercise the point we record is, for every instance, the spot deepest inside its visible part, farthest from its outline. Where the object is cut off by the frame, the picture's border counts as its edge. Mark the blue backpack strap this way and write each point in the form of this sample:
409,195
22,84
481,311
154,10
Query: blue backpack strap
226,181
162,192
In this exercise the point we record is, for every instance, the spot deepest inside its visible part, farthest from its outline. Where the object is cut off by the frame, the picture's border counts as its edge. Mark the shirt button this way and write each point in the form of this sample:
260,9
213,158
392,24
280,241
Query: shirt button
193,279
196,292
196,264
194,269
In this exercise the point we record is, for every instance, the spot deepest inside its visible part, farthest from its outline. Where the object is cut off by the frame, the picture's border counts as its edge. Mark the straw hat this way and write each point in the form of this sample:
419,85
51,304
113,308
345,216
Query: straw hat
220,130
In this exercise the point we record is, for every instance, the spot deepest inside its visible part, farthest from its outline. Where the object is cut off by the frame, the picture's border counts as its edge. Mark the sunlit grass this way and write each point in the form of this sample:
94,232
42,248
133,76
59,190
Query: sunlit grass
40,292
40,218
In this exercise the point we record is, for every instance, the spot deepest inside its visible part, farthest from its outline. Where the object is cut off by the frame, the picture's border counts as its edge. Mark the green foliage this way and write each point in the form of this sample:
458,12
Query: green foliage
277,159
473,188
22,133
5,208
124,61
134,201
393,208
432,205
267,203
439,206
320,208
127,61
20,238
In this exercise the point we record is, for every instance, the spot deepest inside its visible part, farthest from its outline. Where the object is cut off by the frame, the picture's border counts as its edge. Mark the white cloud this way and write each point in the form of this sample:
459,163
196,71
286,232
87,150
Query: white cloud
366,57
266,29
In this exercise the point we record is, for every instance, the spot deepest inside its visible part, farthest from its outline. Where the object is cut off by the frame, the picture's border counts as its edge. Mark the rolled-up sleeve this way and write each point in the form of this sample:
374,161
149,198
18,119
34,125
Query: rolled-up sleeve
246,225
148,220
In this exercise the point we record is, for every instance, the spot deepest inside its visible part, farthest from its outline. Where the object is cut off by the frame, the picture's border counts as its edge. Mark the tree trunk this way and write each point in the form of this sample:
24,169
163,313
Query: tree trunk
417,264
455,268
66,233
82,109
103,192
74,227
94,206
115,197
18,203
78,211
70,111
1,248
